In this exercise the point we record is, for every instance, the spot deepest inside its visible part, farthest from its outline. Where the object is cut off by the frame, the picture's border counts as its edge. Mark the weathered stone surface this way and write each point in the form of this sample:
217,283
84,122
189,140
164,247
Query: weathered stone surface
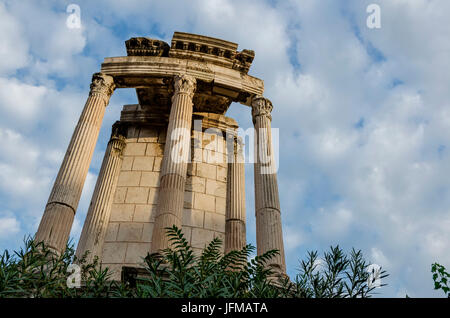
193,218
147,232
127,163
201,237
153,196
129,179
214,221
135,149
111,232
136,252
144,213
157,164
196,184
206,170
119,196
114,252
130,232
122,212
204,202
216,188
188,200
150,179
143,163
155,149
220,205
221,174
137,195
147,134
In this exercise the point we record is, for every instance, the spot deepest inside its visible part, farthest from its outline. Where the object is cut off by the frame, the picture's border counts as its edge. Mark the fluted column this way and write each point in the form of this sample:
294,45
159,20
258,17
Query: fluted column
97,219
269,234
174,165
235,204
62,204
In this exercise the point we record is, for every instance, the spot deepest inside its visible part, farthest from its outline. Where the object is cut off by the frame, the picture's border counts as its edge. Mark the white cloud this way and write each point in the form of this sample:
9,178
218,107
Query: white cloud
55,48
377,257
293,238
19,100
14,48
332,225
9,226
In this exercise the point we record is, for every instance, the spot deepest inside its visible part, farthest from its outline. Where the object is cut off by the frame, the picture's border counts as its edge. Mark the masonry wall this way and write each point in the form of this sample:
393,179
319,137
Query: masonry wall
130,227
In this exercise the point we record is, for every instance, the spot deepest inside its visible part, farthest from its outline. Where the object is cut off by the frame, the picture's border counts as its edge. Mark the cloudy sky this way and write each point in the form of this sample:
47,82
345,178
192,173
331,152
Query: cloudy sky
364,115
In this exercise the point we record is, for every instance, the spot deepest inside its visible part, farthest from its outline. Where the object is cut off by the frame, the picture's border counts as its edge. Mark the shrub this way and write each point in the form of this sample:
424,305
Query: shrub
441,278
35,271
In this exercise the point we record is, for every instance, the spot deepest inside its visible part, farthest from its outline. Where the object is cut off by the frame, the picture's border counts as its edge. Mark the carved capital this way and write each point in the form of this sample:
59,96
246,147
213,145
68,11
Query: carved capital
117,144
117,139
102,84
185,84
261,106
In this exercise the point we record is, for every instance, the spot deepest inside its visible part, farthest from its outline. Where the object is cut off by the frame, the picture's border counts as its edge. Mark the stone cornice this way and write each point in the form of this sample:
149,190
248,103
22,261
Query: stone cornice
216,51
143,46
139,71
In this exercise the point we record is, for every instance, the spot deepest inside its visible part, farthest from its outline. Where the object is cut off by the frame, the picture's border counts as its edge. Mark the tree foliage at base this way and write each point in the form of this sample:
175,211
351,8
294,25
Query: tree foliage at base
441,278
35,271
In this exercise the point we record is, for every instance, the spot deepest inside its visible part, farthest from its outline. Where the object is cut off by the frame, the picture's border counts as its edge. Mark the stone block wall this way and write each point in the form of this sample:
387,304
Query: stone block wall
129,232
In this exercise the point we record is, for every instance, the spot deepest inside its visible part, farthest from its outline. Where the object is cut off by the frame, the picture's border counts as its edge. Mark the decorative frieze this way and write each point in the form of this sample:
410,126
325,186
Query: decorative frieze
142,46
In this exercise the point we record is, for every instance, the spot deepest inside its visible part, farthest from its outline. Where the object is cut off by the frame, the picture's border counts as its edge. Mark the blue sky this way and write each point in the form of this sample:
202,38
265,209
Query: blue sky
364,115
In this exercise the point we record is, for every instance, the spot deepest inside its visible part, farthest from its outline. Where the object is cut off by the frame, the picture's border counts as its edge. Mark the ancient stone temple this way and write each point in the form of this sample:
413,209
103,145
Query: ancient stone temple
173,158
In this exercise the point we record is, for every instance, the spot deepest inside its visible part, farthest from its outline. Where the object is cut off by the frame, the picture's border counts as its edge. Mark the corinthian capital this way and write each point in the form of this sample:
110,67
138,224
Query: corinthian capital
261,106
185,84
102,84
117,139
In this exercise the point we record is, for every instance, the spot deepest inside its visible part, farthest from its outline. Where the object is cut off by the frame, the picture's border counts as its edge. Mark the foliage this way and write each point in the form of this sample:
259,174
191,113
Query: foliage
177,272
334,276
441,278
35,271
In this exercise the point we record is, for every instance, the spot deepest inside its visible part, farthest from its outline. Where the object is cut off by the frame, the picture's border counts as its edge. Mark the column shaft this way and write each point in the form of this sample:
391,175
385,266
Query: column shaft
97,219
269,233
235,205
62,204
175,160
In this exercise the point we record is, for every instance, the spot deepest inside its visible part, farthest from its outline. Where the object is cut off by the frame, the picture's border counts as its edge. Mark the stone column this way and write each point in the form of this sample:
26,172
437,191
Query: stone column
174,164
235,205
269,234
97,219
59,213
